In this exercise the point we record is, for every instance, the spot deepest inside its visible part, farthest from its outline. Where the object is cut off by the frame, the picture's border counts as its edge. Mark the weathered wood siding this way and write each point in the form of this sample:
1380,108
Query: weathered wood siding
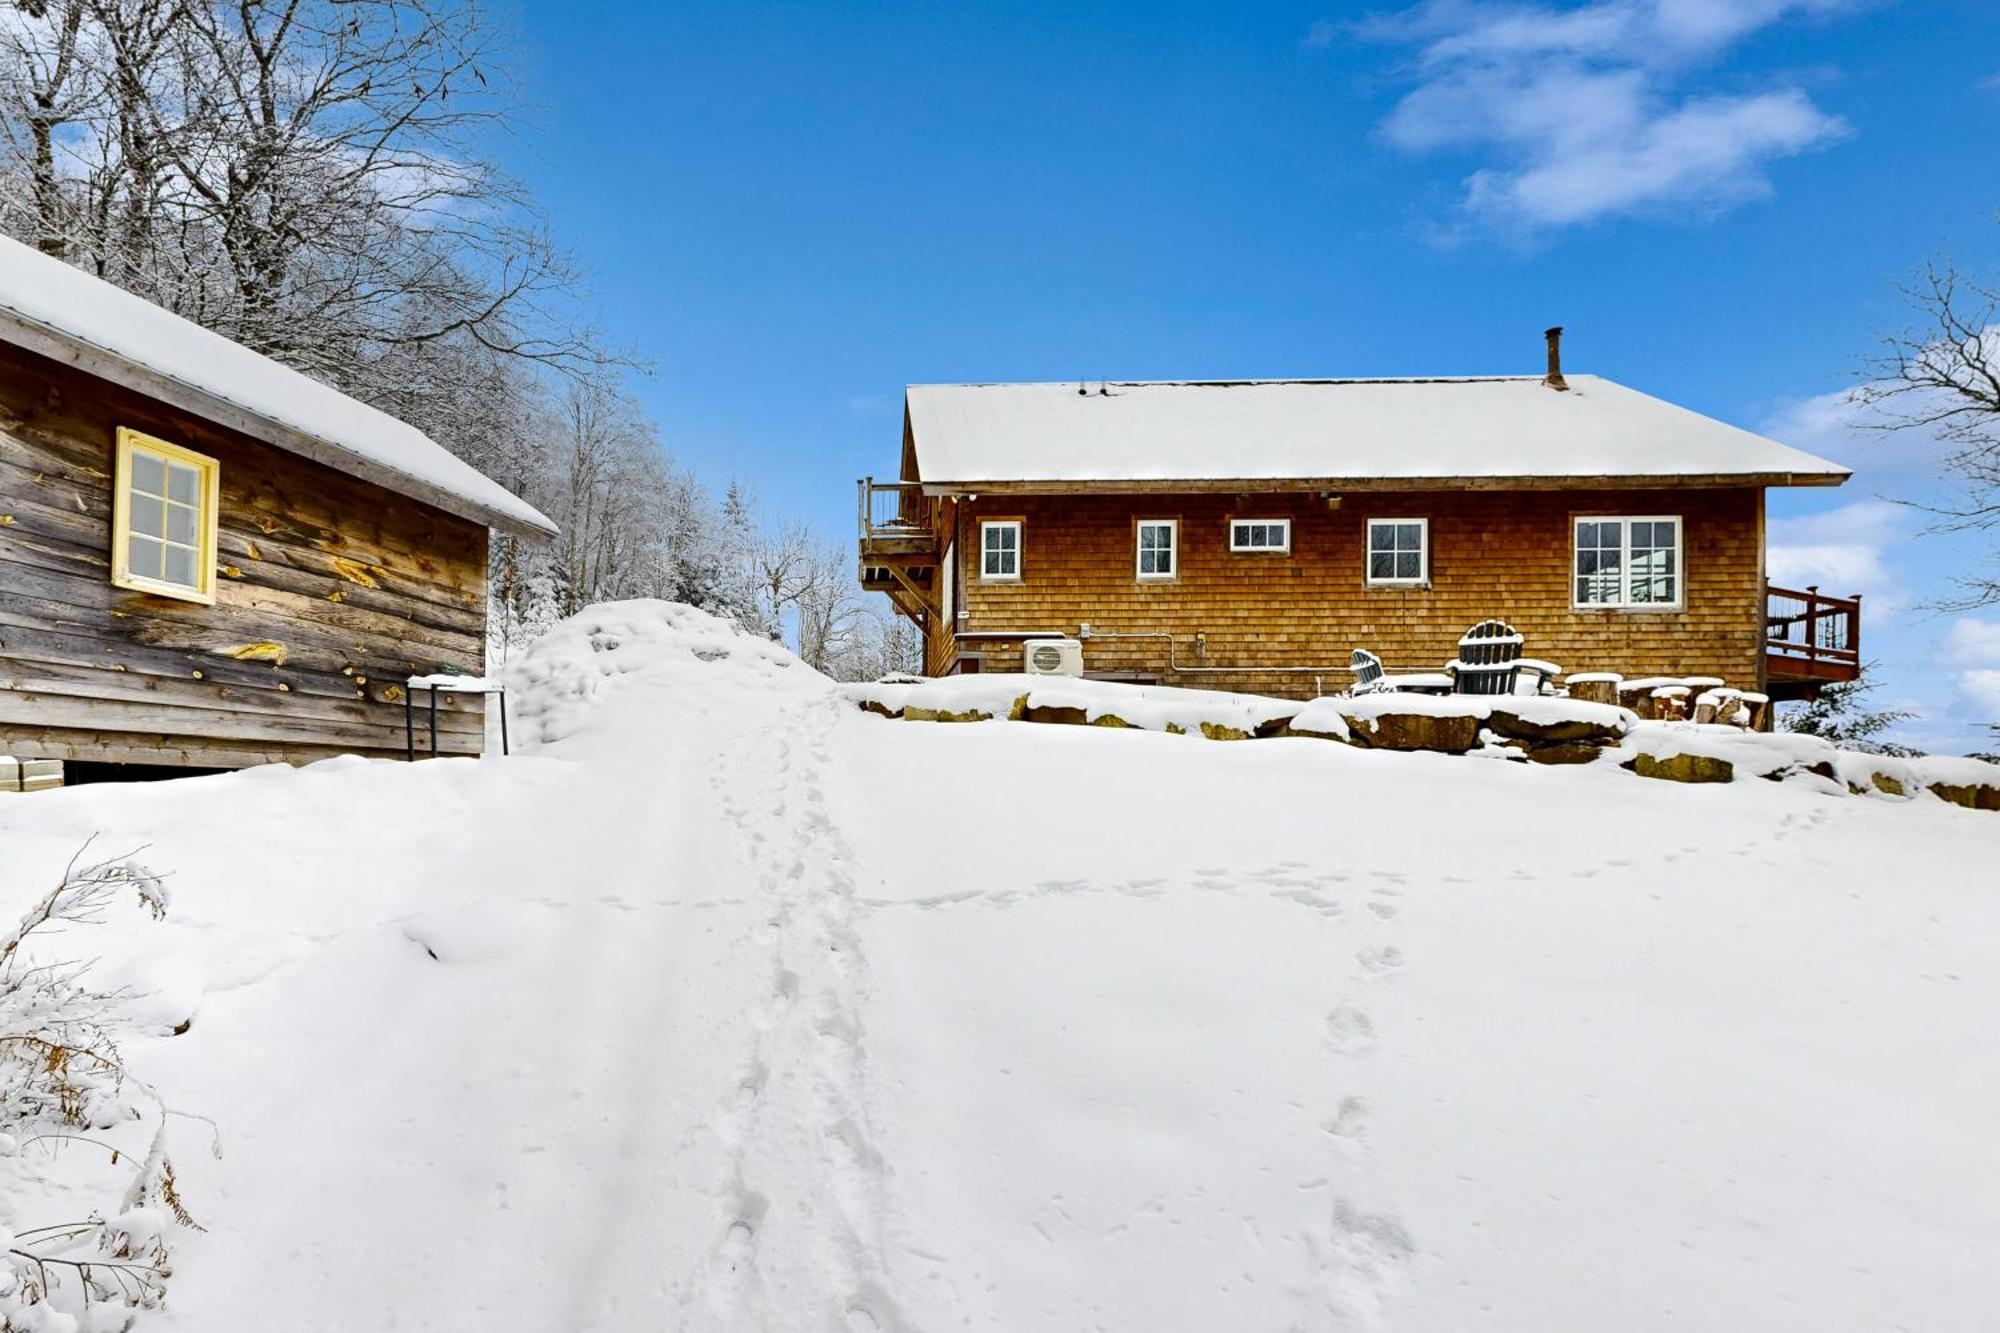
352,586
1493,553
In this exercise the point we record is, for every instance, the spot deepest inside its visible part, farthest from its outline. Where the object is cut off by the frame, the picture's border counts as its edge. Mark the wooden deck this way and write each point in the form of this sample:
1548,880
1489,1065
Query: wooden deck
1810,640
899,548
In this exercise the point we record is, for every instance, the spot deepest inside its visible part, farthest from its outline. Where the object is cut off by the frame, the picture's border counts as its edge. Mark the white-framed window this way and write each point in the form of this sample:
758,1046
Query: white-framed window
1399,550
1257,535
1158,549
1628,560
1000,550
165,510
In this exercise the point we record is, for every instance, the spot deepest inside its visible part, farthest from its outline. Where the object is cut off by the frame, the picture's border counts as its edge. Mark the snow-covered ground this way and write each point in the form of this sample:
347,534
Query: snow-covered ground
729,1006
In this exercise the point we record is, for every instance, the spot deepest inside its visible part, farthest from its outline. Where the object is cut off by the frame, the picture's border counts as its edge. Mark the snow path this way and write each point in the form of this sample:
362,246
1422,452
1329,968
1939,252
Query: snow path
799,1120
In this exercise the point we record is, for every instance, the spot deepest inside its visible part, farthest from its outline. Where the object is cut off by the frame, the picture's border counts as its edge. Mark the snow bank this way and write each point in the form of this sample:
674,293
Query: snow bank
583,681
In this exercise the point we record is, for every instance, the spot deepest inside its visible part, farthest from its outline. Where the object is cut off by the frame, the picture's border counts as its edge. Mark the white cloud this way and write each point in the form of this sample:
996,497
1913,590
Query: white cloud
1973,640
1322,34
1842,551
1981,691
1592,111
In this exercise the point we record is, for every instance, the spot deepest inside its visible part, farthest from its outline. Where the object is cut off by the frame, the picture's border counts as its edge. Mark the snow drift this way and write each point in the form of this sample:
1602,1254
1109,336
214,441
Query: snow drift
729,1006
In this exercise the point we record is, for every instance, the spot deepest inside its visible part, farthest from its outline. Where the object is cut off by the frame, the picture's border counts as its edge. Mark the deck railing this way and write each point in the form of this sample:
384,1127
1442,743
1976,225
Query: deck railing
1812,629
890,508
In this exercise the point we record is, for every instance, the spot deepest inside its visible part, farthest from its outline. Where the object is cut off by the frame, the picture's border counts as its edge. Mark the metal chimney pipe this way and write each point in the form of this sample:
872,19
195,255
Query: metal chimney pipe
1554,379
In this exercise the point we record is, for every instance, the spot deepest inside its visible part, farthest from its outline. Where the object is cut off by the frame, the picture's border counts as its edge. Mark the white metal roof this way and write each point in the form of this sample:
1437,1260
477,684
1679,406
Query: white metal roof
65,313
1497,429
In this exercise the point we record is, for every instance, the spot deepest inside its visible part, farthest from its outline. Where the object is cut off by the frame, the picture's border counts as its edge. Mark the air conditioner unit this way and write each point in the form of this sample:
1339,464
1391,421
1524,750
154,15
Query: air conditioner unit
1055,657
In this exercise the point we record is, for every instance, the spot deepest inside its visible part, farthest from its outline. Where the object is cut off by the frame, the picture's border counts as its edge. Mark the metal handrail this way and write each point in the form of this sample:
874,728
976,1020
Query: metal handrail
877,519
1808,625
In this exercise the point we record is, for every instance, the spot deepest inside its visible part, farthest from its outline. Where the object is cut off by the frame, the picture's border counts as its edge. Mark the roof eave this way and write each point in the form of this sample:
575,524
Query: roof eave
94,360
1279,485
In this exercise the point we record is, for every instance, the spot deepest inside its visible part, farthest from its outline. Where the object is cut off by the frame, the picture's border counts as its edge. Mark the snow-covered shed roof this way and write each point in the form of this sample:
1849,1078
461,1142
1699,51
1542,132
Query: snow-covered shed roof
1497,430
64,313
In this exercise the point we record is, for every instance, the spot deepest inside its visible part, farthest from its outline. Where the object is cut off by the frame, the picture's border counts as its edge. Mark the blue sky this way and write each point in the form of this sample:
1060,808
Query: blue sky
793,210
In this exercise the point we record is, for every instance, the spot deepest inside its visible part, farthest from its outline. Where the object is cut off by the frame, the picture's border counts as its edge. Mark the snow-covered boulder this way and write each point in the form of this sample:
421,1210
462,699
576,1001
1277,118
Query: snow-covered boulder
1548,730
1216,714
1972,783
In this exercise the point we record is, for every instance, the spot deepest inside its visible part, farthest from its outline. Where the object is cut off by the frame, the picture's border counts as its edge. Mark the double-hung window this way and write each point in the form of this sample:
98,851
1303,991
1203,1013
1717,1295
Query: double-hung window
1628,561
1260,535
1157,549
1399,550
163,520
1000,550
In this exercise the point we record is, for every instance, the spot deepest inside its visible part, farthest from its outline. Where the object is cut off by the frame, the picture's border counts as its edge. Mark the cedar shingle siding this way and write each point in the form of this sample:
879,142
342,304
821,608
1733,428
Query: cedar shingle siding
1493,553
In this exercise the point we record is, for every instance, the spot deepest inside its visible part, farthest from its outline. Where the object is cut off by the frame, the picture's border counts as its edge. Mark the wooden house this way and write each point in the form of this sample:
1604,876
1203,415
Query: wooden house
209,560
1250,534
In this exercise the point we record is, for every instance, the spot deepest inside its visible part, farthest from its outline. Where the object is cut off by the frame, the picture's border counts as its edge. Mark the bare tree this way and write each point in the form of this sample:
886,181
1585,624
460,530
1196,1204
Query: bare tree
828,610
48,83
1943,377
785,569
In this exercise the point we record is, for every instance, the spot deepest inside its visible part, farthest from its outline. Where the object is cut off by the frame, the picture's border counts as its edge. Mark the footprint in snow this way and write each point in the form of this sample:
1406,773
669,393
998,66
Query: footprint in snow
1351,1029
1379,958
1349,1120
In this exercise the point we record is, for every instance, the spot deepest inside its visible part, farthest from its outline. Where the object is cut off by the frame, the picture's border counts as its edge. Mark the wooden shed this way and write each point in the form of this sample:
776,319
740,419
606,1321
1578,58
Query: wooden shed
209,560
1250,534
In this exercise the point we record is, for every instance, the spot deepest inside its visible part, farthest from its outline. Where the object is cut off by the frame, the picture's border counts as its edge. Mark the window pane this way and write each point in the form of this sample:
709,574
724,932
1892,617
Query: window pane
1663,533
148,516
1642,535
1586,562
1381,565
142,554
149,474
181,483
180,566
180,524
1381,536
1409,537
1409,565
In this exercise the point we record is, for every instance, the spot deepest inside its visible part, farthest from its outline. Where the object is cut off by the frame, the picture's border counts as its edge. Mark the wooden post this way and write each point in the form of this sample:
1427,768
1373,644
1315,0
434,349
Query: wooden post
1599,691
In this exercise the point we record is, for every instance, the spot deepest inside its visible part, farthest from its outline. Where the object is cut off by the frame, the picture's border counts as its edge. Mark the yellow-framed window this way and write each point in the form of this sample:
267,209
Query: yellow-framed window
164,512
